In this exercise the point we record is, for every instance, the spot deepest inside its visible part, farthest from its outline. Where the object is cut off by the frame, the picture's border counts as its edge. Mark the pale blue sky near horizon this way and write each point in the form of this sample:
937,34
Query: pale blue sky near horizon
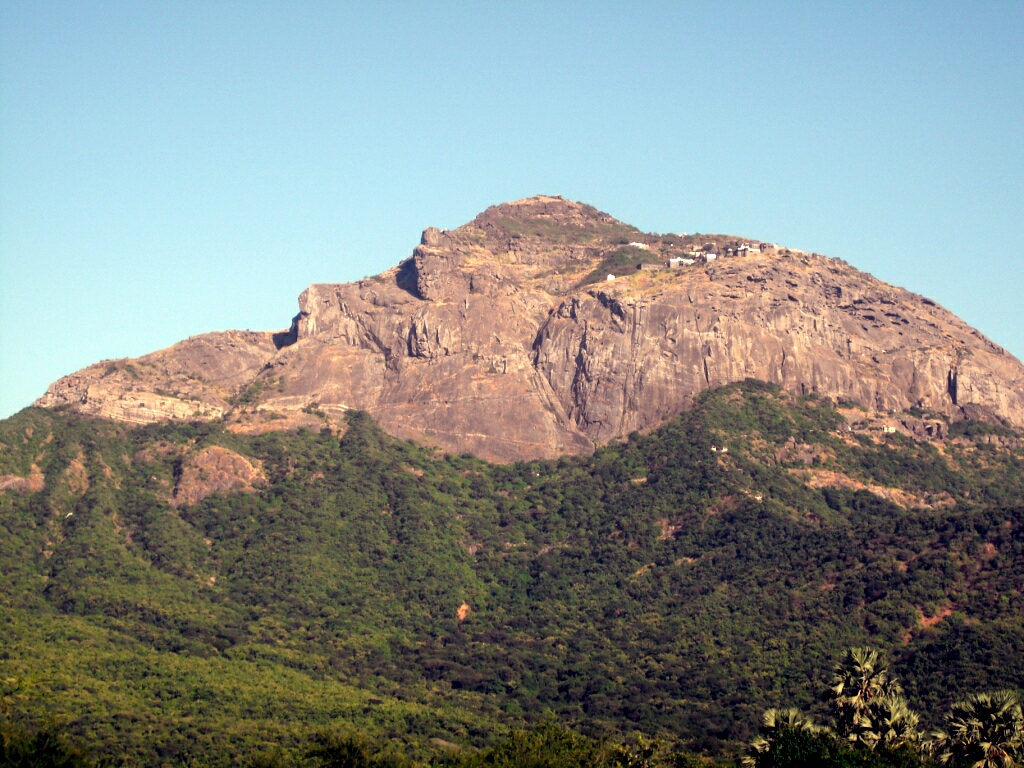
168,169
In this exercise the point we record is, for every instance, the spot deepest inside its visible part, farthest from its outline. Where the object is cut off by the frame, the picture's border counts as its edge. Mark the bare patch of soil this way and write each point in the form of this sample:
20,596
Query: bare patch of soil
821,478
643,569
931,621
668,529
31,484
216,470
77,477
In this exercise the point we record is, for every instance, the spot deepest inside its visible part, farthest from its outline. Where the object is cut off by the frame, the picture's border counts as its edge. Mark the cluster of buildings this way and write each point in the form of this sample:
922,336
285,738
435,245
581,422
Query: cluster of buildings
711,251
708,253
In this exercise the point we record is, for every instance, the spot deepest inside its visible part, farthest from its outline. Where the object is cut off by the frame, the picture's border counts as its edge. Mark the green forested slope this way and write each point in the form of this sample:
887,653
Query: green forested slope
658,585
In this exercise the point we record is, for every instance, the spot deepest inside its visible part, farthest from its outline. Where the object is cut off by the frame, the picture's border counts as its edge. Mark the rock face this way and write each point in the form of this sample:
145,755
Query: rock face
504,338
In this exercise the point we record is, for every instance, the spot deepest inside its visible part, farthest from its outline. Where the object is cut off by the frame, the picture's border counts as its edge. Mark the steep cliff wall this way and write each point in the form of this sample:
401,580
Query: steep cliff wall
626,360
497,339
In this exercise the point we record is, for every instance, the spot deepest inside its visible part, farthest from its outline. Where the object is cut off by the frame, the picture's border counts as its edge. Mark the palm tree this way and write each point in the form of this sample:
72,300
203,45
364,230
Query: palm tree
774,723
985,730
889,724
859,678
640,755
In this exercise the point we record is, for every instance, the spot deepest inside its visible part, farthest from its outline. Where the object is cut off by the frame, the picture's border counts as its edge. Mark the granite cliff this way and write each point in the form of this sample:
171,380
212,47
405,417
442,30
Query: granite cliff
505,338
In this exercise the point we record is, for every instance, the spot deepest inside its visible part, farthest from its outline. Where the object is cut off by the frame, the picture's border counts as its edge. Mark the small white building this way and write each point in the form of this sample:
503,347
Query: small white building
610,278
641,246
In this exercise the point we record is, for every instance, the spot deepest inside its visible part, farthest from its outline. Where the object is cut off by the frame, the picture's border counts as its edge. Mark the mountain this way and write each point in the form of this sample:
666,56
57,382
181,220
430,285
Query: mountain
182,594
506,338
661,503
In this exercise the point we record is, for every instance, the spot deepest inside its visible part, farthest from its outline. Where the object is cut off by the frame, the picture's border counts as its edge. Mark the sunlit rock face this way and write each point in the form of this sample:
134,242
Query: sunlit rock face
505,338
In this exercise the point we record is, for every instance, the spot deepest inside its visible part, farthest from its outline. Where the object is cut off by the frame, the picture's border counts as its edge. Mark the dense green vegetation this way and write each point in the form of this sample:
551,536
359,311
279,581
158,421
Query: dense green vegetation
658,586
590,230
621,261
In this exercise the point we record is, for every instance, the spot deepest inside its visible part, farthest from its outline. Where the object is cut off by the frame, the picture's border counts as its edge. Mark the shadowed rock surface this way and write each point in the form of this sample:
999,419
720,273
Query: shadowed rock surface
505,339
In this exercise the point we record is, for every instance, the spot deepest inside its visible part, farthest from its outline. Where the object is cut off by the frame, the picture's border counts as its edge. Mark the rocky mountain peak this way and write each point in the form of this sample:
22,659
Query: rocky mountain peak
547,218
545,326
513,243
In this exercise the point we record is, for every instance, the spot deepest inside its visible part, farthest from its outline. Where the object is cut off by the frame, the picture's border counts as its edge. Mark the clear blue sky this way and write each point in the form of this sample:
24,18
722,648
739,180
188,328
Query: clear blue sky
175,168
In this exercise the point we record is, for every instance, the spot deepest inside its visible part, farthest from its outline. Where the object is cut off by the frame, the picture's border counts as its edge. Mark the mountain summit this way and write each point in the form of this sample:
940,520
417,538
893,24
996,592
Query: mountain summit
545,327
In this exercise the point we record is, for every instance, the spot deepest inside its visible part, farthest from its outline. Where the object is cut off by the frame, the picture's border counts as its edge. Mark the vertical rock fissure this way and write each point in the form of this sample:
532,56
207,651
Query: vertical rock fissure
630,382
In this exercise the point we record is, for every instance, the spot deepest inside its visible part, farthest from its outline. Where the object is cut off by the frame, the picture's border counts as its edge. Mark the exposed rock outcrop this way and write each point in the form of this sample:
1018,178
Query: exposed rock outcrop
35,481
503,338
215,470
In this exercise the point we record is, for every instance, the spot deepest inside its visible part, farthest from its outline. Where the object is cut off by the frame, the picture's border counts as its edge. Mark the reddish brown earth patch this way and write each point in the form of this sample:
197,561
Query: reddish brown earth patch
32,484
726,504
157,452
643,569
77,476
931,621
216,470
821,478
